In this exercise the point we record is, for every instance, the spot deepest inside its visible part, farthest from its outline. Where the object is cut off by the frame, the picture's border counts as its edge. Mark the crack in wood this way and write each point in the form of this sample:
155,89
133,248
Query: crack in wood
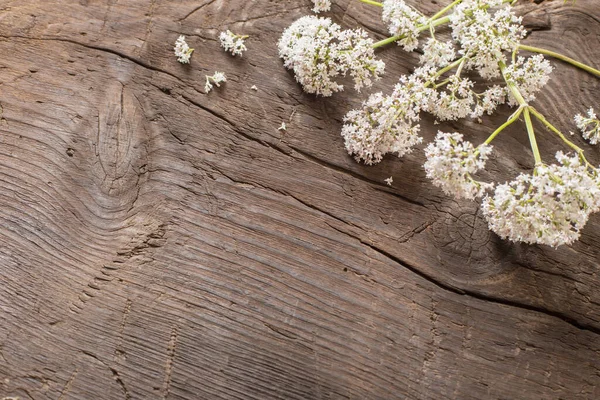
68,385
169,363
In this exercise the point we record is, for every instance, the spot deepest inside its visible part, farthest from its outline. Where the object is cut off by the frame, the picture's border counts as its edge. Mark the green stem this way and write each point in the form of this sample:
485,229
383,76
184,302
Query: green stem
508,122
544,121
531,134
523,104
569,60
421,28
448,68
445,10
373,3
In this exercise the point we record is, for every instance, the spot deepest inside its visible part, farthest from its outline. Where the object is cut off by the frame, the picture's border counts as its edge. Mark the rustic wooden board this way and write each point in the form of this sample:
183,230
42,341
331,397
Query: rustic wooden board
157,242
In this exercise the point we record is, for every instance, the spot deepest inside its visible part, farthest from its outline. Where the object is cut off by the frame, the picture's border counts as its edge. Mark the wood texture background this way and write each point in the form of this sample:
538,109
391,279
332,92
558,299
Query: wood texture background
160,243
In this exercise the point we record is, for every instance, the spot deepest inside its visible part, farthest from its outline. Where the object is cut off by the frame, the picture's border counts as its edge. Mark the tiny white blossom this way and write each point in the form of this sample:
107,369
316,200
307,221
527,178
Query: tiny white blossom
404,21
437,53
389,181
321,5
589,126
282,127
318,50
489,100
451,161
253,87
530,75
217,78
455,102
182,50
484,35
458,100
233,43
550,206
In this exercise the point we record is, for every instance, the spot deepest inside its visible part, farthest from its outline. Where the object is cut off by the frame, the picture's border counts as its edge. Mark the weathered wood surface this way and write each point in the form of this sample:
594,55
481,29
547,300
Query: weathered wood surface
157,242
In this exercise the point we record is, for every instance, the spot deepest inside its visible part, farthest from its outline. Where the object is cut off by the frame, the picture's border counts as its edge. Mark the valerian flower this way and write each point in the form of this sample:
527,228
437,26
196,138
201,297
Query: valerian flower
318,51
403,21
321,5
182,50
437,53
217,79
459,100
451,162
589,126
485,35
550,206
233,43
529,74
387,124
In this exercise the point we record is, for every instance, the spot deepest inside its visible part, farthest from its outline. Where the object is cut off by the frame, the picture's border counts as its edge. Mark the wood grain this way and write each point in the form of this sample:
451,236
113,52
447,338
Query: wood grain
158,242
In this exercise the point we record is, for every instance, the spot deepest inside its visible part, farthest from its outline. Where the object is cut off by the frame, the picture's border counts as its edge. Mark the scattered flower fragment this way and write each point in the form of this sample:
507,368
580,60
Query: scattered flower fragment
589,126
389,181
321,5
182,50
233,43
217,79
253,87
282,127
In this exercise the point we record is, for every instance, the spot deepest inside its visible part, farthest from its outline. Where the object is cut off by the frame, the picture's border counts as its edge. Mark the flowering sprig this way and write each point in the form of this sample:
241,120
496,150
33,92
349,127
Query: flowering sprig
389,124
182,50
233,43
589,126
548,206
216,79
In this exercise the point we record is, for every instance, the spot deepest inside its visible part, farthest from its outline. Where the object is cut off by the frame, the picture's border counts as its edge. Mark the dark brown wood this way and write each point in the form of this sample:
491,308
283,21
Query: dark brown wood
157,242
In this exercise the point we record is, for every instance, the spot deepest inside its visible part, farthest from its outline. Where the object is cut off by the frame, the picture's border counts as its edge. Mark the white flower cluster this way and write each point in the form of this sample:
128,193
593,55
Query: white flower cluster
589,126
483,35
233,43
321,5
182,50
386,124
437,53
318,50
529,74
403,21
451,161
217,79
460,101
549,207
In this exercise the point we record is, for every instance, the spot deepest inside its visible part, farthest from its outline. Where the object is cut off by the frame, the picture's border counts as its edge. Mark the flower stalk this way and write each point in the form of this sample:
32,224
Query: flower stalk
421,28
562,57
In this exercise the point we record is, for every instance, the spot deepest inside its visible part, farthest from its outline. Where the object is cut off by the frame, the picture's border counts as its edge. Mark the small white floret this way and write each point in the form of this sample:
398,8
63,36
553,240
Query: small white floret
182,50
